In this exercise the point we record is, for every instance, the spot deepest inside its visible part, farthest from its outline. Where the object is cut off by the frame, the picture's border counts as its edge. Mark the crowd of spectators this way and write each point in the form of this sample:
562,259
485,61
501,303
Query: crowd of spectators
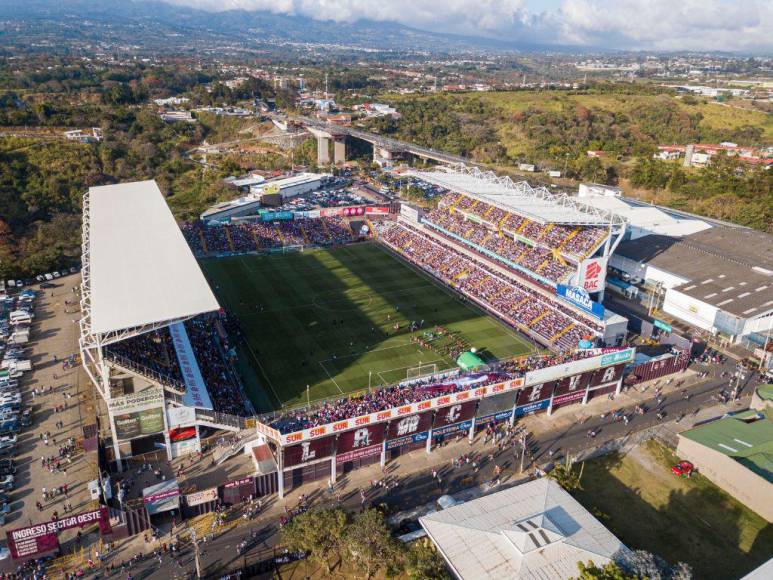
413,392
537,259
152,354
575,241
510,300
259,236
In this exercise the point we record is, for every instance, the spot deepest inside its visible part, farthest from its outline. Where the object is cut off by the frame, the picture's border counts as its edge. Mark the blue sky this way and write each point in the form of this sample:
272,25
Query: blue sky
728,25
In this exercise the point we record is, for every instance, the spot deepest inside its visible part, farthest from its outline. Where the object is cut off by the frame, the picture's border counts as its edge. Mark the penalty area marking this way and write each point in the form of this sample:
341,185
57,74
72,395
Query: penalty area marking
331,377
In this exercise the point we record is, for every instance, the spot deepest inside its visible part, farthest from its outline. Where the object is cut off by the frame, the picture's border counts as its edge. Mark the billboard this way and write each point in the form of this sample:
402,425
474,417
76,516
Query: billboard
41,538
607,375
180,416
568,398
452,428
581,299
591,274
575,383
535,393
579,366
532,408
200,497
139,424
308,451
454,414
361,437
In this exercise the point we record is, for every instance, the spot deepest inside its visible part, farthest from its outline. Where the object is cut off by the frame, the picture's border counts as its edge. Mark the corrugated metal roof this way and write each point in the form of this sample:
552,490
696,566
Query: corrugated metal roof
534,530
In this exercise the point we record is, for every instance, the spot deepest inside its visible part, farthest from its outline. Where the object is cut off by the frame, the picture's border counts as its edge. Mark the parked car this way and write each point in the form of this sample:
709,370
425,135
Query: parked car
9,439
6,482
26,418
11,427
7,467
5,508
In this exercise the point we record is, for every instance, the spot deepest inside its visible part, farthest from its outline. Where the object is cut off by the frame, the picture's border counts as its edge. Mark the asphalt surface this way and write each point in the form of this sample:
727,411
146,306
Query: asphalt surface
221,554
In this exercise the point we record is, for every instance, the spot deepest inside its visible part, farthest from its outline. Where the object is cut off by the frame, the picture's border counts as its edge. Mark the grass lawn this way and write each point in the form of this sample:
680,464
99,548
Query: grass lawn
325,318
689,520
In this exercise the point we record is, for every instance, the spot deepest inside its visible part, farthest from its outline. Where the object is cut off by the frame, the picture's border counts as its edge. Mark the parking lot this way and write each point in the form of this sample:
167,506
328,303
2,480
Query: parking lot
51,471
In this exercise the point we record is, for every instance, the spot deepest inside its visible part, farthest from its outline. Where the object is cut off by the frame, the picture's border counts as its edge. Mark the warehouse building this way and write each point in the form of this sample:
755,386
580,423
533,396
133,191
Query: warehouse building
736,453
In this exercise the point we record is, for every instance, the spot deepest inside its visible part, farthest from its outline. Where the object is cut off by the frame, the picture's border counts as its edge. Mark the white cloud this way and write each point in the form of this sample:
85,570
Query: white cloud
657,24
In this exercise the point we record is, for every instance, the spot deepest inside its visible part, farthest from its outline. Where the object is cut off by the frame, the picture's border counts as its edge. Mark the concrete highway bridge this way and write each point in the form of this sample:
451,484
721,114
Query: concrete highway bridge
384,148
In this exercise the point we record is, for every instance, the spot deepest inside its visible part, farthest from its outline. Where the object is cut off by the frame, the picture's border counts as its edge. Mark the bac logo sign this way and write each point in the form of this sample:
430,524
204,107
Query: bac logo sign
593,275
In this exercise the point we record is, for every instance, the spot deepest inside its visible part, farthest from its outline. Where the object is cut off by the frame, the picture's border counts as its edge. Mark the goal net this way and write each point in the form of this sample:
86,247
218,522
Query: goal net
421,371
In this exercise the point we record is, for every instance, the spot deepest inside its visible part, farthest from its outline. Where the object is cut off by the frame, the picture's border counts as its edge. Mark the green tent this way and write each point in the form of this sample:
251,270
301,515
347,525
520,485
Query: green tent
469,361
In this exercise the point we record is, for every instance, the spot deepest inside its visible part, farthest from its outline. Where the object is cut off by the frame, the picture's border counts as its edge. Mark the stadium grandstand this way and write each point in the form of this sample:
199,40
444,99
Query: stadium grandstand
158,346
151,336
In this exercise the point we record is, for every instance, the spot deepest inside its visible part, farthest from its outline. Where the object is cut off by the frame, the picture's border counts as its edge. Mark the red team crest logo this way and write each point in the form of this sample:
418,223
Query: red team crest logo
592,271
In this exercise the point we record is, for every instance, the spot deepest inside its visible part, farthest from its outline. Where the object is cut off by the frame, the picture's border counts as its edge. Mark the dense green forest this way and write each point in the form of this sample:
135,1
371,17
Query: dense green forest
43,177
556,129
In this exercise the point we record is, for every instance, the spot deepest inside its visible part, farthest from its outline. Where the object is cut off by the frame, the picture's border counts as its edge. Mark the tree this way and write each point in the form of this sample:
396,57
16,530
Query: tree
565,476
643,564
424,563
370,546
610,571
320,532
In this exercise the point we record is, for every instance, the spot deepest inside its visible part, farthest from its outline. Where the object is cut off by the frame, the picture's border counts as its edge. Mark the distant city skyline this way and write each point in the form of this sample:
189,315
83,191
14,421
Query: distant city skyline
716,25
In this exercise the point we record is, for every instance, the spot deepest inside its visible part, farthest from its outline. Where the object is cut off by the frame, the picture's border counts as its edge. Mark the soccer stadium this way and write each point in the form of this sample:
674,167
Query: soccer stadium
346,337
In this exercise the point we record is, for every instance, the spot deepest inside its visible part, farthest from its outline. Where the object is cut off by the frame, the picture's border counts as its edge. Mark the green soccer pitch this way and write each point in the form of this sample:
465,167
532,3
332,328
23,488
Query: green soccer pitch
326,318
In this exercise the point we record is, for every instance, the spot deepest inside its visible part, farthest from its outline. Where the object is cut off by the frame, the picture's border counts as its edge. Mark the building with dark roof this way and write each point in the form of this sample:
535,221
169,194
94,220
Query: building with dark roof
719,279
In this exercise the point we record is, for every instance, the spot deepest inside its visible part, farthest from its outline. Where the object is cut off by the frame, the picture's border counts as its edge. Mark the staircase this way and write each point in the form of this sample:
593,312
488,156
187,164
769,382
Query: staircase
280,234
230,239
221,454
573,233
257,241
562,332
536,319
203,242
327,231
305,235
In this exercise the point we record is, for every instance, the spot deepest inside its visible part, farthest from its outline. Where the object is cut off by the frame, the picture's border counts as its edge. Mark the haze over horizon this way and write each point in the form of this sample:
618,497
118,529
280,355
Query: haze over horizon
698,25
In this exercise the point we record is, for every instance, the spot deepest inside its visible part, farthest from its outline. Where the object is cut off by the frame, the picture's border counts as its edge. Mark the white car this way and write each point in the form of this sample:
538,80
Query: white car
6,482
8,439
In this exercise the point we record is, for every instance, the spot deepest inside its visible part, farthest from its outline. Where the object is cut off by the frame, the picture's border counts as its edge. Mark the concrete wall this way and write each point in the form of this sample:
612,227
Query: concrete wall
691,310
744,485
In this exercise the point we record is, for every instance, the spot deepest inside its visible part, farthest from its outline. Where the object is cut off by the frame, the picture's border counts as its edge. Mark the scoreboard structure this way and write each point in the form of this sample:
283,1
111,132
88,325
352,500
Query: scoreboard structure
330,450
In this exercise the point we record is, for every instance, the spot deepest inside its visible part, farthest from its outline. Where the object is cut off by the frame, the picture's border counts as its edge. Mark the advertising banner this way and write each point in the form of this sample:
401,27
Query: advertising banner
453,414
308,451
474,393
377,210
41,538
180,416
360,438
201,497
532,408
449,429
360,453
147,399
568,398
400,441
410,425
619,356
196,394
141,424
187,447
580,298
500,416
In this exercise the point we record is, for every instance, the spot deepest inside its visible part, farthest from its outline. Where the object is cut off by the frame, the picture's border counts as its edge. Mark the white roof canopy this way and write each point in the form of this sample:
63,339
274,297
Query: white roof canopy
140,268
536,204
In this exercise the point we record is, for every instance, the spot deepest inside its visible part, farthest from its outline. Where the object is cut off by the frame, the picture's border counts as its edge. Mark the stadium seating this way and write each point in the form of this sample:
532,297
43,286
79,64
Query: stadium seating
259,236
576,242
544,317
153,355
537,259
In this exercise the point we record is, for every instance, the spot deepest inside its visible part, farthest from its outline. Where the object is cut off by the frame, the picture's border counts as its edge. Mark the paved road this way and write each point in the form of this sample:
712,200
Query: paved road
220,554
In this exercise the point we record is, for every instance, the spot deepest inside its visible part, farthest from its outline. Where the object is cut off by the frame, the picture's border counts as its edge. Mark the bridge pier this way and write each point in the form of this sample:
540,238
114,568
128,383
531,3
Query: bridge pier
323,150
339,150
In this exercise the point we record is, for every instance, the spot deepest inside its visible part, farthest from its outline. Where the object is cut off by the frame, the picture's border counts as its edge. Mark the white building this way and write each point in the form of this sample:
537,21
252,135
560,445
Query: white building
535,530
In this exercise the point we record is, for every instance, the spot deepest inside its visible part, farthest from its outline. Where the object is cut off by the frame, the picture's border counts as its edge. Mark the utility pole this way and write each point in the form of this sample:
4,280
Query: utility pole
196,552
